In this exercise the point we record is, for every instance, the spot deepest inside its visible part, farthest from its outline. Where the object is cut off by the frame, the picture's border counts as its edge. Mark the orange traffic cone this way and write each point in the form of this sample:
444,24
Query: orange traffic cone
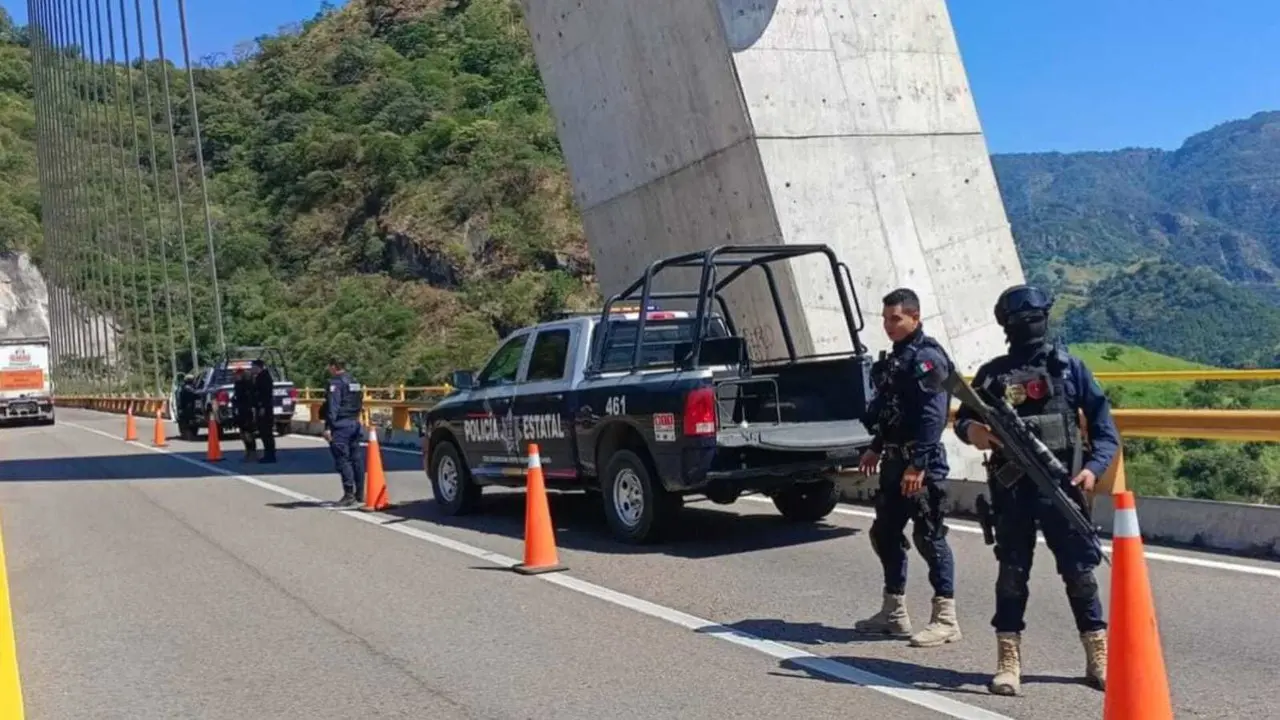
1137,686
539,535
159,440
130,426
375,482
214,451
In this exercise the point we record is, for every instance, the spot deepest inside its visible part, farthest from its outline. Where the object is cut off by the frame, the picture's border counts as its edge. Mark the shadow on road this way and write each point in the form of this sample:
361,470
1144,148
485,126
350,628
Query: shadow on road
156,466
924,677
697,532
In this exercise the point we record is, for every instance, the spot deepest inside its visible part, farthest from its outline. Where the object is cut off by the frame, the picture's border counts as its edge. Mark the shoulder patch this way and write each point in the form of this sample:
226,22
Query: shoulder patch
923,367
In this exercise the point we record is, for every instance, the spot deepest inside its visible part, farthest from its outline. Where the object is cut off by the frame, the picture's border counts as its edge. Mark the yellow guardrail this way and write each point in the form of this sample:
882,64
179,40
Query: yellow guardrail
1233,425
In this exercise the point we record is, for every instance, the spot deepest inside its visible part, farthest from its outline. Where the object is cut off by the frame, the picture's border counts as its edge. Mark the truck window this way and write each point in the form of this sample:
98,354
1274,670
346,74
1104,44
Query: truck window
550,351
658,347
505,363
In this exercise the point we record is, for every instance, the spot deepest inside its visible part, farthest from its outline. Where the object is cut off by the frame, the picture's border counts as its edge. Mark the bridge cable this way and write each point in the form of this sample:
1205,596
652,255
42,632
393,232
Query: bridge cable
155,184
177,181
140,356
93,281
204,189
142,224
82,203
48,225
112,252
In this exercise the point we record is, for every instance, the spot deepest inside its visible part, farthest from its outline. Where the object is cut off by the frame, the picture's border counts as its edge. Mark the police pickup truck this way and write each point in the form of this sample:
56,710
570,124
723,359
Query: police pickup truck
649,407
215,393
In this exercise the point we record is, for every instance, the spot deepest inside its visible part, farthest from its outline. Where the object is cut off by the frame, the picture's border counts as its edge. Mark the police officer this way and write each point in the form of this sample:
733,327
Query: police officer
264,409
344,399
244,409
1047,386
908,422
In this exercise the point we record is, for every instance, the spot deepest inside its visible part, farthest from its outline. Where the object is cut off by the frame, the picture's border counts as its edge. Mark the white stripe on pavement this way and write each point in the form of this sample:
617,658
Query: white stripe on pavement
780,651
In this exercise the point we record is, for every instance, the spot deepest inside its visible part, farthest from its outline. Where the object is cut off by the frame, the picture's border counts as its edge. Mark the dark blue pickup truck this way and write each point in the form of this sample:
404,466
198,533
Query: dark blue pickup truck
684,411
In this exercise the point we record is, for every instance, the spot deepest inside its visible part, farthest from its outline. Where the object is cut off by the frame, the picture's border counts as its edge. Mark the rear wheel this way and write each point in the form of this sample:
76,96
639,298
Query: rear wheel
451,482
636,506
283,428
807,502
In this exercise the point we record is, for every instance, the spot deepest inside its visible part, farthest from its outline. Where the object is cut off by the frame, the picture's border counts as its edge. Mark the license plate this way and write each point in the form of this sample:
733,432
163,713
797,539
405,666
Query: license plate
281,392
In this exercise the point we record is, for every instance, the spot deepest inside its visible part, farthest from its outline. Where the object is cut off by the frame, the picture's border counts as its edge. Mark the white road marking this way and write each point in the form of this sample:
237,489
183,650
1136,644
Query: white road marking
780,651
974,529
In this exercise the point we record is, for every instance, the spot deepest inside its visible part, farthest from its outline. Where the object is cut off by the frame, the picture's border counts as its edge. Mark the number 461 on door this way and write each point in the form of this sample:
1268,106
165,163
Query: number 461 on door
616,405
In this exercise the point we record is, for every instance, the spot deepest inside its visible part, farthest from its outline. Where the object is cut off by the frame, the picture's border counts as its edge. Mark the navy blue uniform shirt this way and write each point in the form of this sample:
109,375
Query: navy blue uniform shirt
1083,393
924,412
336,400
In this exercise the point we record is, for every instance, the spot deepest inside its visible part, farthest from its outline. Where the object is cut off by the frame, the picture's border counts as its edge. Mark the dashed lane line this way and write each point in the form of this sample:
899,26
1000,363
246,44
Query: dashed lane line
780,651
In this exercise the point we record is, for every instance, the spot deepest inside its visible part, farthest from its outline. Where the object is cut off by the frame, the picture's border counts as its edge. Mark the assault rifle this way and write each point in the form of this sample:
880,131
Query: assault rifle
1022,447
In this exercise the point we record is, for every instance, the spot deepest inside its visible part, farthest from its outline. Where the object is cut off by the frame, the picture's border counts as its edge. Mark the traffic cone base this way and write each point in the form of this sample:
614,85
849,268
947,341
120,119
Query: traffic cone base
375,480
540,554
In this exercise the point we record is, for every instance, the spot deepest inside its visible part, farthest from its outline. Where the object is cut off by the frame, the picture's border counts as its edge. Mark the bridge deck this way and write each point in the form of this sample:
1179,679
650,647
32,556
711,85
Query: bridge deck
146,584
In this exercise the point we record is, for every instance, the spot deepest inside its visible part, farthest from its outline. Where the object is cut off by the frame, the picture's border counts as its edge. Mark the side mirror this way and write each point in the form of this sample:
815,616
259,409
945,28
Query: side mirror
462,379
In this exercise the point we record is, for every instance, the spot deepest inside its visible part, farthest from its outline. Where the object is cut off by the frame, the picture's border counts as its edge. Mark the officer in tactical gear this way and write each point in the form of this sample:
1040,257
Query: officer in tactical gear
344,400
264,409
1047,387
908,422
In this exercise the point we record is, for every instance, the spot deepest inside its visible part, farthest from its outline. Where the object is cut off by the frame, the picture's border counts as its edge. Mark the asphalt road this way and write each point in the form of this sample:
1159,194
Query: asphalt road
147,584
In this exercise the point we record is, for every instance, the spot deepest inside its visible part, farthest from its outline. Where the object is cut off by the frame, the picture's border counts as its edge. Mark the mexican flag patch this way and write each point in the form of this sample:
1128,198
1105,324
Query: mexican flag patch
923,368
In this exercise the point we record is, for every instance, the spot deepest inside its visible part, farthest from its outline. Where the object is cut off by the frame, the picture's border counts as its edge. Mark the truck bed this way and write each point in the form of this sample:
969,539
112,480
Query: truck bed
806,437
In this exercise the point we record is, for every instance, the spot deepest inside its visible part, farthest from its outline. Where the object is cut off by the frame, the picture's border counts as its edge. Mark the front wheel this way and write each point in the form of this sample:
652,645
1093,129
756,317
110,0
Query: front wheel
636,505
451,482
807,502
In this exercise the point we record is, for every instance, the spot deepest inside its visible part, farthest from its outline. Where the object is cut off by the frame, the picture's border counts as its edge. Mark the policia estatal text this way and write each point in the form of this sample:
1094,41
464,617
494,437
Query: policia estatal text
1047,387
908,424
343,402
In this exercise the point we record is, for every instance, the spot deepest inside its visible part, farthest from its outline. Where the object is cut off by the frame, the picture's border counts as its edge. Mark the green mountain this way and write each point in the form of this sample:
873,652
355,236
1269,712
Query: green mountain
1214,202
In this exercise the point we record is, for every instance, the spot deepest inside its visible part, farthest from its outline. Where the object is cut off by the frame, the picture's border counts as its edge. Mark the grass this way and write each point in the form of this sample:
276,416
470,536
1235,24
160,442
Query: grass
1109,357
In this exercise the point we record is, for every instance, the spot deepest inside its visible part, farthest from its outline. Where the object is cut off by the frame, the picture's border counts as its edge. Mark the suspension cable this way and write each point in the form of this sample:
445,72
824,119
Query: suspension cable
204,189
155,184
177,181
89,221
142,224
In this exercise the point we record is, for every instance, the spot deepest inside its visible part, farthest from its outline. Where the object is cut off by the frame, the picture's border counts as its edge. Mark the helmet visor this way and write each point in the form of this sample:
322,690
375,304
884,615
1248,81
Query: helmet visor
1019,300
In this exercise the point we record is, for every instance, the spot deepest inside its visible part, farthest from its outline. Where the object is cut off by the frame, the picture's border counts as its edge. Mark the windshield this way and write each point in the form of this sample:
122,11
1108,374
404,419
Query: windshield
660,340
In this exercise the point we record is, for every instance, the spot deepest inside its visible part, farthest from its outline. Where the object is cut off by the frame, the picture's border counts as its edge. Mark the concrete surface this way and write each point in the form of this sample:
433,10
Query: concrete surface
847,122
149,586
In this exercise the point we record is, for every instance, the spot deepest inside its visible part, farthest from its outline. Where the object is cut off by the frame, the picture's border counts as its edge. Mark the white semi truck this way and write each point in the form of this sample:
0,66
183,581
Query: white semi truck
26,389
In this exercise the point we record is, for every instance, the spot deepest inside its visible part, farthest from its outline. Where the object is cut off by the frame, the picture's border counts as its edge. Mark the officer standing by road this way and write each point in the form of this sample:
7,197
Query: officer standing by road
344,400
1047,387
264,409
244,405
908,449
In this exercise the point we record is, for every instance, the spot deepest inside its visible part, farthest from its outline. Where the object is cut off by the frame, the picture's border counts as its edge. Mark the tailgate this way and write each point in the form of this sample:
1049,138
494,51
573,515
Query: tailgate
283,398
797,437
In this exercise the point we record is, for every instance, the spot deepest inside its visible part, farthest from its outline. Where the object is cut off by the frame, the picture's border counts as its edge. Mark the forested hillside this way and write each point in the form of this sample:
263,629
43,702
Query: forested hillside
386,183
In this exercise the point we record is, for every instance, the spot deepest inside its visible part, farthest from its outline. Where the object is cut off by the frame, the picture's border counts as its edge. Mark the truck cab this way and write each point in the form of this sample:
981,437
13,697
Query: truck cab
649,407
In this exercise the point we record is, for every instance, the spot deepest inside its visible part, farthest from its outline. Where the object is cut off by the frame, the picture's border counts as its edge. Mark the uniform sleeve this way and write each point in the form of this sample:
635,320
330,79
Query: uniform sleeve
873,412
1104,437
332,403
965,416
932,407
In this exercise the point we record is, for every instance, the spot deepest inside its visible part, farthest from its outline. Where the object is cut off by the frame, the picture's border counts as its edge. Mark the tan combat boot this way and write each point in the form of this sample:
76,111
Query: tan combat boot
943,627
1095,656
1008,677
891,620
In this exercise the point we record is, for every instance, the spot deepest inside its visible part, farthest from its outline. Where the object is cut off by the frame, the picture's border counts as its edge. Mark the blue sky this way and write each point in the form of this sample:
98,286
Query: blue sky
1047,75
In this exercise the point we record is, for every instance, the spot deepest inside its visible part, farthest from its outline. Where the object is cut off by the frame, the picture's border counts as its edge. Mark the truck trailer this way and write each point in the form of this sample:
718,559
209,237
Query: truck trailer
26,388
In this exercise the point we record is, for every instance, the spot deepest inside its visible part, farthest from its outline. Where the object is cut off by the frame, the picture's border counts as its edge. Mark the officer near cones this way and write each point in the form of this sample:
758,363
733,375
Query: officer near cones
1047,387
243,407
344,399
909,420
264,409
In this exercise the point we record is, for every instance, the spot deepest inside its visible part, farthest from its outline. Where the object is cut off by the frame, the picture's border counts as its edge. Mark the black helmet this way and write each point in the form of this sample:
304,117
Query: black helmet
1019,299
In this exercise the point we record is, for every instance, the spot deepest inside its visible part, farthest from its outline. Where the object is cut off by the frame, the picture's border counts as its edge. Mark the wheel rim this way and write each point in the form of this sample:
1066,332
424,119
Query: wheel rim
628,497
447,478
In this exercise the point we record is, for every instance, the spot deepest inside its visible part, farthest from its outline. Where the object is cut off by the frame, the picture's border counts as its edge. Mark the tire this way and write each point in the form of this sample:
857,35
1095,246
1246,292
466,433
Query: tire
451,483
627,483
807,502
189,433
283,428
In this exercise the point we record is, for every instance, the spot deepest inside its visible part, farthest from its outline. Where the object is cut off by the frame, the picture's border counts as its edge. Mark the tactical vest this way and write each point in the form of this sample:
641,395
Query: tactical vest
892,379
352,400
1037,393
